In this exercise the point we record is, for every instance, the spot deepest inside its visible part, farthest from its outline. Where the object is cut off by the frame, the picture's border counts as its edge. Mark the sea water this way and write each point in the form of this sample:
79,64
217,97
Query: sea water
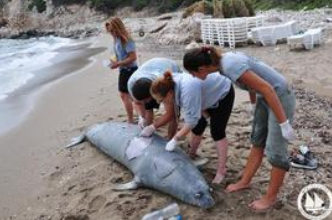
20,60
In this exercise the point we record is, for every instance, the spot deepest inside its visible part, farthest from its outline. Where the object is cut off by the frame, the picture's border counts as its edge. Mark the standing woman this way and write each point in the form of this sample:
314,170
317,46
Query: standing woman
125,51
275,104
214,96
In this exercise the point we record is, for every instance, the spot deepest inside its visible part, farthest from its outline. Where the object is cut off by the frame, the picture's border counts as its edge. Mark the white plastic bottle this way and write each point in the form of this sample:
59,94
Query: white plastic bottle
165,213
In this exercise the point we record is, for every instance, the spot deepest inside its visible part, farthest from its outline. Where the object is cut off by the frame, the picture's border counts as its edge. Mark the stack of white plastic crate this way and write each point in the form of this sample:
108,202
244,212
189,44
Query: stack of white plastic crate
230,31
269,35
253,22
307,40
208,31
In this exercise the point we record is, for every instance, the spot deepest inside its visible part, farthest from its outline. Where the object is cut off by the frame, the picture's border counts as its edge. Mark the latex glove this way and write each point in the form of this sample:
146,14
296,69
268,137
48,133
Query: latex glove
287,131
147,131
170,146
141,122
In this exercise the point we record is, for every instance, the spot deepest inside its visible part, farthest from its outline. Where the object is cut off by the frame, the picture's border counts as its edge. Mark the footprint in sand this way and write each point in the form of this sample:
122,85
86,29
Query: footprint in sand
144,197
76,217
56,176
123,195
96,203
121,115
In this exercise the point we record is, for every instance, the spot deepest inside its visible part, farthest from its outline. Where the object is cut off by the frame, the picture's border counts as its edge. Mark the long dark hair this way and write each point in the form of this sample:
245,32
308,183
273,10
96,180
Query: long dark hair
197,57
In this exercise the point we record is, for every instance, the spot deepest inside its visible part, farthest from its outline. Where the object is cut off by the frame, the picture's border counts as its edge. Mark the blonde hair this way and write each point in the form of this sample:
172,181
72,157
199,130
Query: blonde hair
162,85
115,24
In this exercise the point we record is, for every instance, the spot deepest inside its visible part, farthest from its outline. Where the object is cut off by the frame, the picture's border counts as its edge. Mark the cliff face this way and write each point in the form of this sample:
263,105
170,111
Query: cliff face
17,21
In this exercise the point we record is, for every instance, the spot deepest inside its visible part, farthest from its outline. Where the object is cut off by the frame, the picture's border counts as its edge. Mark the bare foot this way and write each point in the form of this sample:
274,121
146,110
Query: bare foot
263,204
131,122
218,178
237,186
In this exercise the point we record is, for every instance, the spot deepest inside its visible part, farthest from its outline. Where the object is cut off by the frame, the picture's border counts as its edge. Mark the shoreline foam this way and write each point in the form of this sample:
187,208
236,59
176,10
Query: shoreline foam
17,105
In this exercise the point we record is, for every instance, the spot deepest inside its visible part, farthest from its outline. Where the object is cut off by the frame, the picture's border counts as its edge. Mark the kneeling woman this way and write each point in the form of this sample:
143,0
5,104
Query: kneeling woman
139,86
215,96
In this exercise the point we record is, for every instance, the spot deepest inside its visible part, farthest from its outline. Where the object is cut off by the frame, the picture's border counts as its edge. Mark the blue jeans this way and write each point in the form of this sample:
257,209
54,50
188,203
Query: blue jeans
266,131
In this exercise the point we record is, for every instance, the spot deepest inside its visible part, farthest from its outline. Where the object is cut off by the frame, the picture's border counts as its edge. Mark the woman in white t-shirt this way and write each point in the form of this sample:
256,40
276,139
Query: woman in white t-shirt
214,96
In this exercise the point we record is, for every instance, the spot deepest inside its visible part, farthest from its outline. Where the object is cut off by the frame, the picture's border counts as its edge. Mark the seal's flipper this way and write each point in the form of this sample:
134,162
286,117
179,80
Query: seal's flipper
134,184
76,140
200,161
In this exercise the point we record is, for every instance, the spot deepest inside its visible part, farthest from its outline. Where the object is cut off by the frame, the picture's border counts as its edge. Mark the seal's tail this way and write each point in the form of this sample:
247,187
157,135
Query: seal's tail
76,140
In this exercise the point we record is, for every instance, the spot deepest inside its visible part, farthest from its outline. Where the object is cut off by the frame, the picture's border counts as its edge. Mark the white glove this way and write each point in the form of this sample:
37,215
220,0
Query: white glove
141,122
147,131
287,131
170,146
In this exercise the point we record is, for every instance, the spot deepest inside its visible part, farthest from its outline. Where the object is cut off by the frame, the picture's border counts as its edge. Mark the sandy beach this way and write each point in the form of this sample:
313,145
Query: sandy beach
42,180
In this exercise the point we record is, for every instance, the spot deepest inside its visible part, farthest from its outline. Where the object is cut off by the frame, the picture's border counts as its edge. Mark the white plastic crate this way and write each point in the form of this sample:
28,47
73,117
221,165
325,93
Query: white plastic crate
230,31
308,39
269,35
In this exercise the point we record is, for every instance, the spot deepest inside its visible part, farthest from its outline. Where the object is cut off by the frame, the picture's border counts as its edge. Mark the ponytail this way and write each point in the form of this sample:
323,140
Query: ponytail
162,85
202,56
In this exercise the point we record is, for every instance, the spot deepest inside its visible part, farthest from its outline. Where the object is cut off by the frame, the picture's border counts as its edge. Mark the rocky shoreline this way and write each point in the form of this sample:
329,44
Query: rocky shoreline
81,21
73,21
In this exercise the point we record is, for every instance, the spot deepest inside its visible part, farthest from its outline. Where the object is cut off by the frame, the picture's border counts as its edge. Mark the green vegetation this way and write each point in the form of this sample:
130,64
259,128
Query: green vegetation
39,4
291,4
220,8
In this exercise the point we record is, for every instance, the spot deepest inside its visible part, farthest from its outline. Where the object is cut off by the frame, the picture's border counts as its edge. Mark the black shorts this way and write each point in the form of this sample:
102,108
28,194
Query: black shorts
124,76
151,105
218,117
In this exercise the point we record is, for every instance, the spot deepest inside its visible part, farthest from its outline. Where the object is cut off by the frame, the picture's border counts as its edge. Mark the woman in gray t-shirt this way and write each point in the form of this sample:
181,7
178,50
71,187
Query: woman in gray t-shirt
125,51
274,105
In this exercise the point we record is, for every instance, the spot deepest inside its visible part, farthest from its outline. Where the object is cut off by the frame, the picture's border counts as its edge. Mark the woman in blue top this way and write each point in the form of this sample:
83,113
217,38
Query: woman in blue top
125,51
213,96
275,104
139,86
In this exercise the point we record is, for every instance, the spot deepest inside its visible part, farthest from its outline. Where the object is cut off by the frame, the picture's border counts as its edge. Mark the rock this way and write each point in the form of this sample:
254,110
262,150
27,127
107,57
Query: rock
3,22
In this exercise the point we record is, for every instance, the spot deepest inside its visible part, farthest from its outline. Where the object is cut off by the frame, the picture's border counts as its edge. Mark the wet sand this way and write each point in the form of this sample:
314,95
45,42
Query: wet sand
41,180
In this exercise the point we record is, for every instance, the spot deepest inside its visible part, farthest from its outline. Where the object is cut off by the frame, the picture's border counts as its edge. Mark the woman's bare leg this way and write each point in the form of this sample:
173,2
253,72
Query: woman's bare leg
128,106
253,163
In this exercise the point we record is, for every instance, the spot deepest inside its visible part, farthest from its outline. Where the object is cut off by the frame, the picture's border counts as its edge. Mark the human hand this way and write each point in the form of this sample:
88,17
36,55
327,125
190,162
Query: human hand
147,131
287,131
205,114
114,64
141,122
170,146
107,63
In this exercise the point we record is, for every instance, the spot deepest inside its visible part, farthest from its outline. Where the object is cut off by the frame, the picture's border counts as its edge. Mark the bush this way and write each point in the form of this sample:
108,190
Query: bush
227,9
240,8
58,3
291,4
39,4
250,6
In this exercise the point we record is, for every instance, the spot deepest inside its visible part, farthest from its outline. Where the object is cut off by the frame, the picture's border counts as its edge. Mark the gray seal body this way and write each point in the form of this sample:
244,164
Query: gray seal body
153,167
